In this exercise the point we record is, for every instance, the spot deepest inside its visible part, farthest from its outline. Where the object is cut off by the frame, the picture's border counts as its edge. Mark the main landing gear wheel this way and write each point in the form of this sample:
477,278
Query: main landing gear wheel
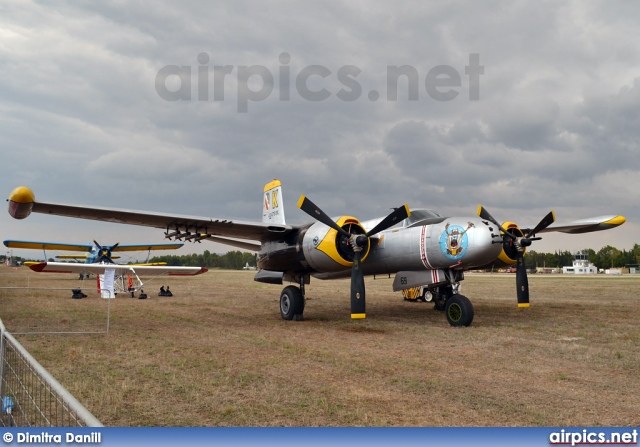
459,311
291,303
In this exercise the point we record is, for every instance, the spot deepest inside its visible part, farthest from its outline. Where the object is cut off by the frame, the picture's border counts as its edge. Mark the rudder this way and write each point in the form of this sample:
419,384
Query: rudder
272,206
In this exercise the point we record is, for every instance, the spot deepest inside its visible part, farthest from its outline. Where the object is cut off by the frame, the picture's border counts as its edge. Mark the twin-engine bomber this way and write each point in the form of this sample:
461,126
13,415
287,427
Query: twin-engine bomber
421,247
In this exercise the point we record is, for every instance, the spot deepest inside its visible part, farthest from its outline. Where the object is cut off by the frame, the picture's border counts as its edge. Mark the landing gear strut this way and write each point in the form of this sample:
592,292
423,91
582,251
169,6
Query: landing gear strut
440,297
292,302
457,308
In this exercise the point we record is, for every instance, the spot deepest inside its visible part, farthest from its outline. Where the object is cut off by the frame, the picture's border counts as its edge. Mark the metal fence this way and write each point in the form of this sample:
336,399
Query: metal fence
31,397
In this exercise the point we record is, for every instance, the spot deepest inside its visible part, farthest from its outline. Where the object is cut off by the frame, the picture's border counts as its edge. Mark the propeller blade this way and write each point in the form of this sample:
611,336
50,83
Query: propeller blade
522,282
398,215
113,246
544,223
312,210
484,214
357,241
97,245
357,288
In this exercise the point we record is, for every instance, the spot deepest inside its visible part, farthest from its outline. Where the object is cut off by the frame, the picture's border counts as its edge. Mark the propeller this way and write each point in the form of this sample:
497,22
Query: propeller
520,244
357,242
104,253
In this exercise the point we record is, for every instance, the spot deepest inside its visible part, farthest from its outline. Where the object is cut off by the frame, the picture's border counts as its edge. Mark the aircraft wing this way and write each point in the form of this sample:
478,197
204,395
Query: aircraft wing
76,257
22,203
87,247
99,269
47,245
585,225
147,247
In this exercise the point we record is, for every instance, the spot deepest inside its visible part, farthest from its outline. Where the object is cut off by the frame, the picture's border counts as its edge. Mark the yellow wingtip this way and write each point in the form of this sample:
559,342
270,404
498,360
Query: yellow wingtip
22,194
618,220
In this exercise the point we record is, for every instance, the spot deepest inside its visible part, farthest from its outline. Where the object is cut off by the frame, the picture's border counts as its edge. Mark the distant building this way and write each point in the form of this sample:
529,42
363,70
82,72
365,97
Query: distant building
634,269
581,265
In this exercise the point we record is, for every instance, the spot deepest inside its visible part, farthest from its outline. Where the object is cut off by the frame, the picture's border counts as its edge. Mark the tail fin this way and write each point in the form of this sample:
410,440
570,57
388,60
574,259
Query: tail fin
272,206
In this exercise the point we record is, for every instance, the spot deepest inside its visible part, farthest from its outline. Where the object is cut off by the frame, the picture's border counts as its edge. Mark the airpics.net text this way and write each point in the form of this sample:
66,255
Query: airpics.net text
257,83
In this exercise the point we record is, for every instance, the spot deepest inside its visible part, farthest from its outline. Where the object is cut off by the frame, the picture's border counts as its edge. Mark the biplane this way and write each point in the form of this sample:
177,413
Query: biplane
92,253
98,260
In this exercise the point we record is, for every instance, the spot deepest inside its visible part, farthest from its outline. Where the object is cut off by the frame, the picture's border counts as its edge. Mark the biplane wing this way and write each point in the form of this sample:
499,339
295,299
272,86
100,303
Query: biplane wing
99,269
61,246
94,253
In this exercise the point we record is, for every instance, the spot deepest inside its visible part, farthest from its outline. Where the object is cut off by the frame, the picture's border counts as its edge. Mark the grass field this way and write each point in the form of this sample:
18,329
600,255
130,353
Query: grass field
218,354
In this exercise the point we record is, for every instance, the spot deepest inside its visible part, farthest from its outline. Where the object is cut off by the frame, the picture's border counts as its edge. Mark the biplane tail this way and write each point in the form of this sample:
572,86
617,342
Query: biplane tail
272,205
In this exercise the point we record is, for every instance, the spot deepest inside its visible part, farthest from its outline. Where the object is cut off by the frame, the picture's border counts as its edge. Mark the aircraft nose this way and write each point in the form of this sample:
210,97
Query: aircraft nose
487,242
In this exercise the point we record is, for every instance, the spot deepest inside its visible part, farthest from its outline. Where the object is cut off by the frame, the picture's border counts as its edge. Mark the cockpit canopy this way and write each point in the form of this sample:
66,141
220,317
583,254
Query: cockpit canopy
421,215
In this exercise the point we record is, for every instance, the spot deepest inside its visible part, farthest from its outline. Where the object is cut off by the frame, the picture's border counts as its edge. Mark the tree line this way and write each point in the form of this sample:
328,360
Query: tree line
233,260
606,257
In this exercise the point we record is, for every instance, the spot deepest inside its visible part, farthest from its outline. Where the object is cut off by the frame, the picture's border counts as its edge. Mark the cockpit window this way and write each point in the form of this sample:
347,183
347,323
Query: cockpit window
420,215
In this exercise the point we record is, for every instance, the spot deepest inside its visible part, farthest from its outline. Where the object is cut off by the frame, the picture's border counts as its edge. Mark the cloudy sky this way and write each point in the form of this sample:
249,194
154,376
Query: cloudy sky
191,107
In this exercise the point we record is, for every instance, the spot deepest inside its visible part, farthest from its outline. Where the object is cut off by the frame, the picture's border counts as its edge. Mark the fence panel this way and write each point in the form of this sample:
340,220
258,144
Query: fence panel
31,396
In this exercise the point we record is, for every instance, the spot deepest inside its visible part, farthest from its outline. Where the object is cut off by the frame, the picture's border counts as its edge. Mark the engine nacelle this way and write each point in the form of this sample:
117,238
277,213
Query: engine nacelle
326,250
21,202
509,251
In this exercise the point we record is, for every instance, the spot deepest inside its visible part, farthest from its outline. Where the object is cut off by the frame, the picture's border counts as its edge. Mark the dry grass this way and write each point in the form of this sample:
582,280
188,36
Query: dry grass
218,354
